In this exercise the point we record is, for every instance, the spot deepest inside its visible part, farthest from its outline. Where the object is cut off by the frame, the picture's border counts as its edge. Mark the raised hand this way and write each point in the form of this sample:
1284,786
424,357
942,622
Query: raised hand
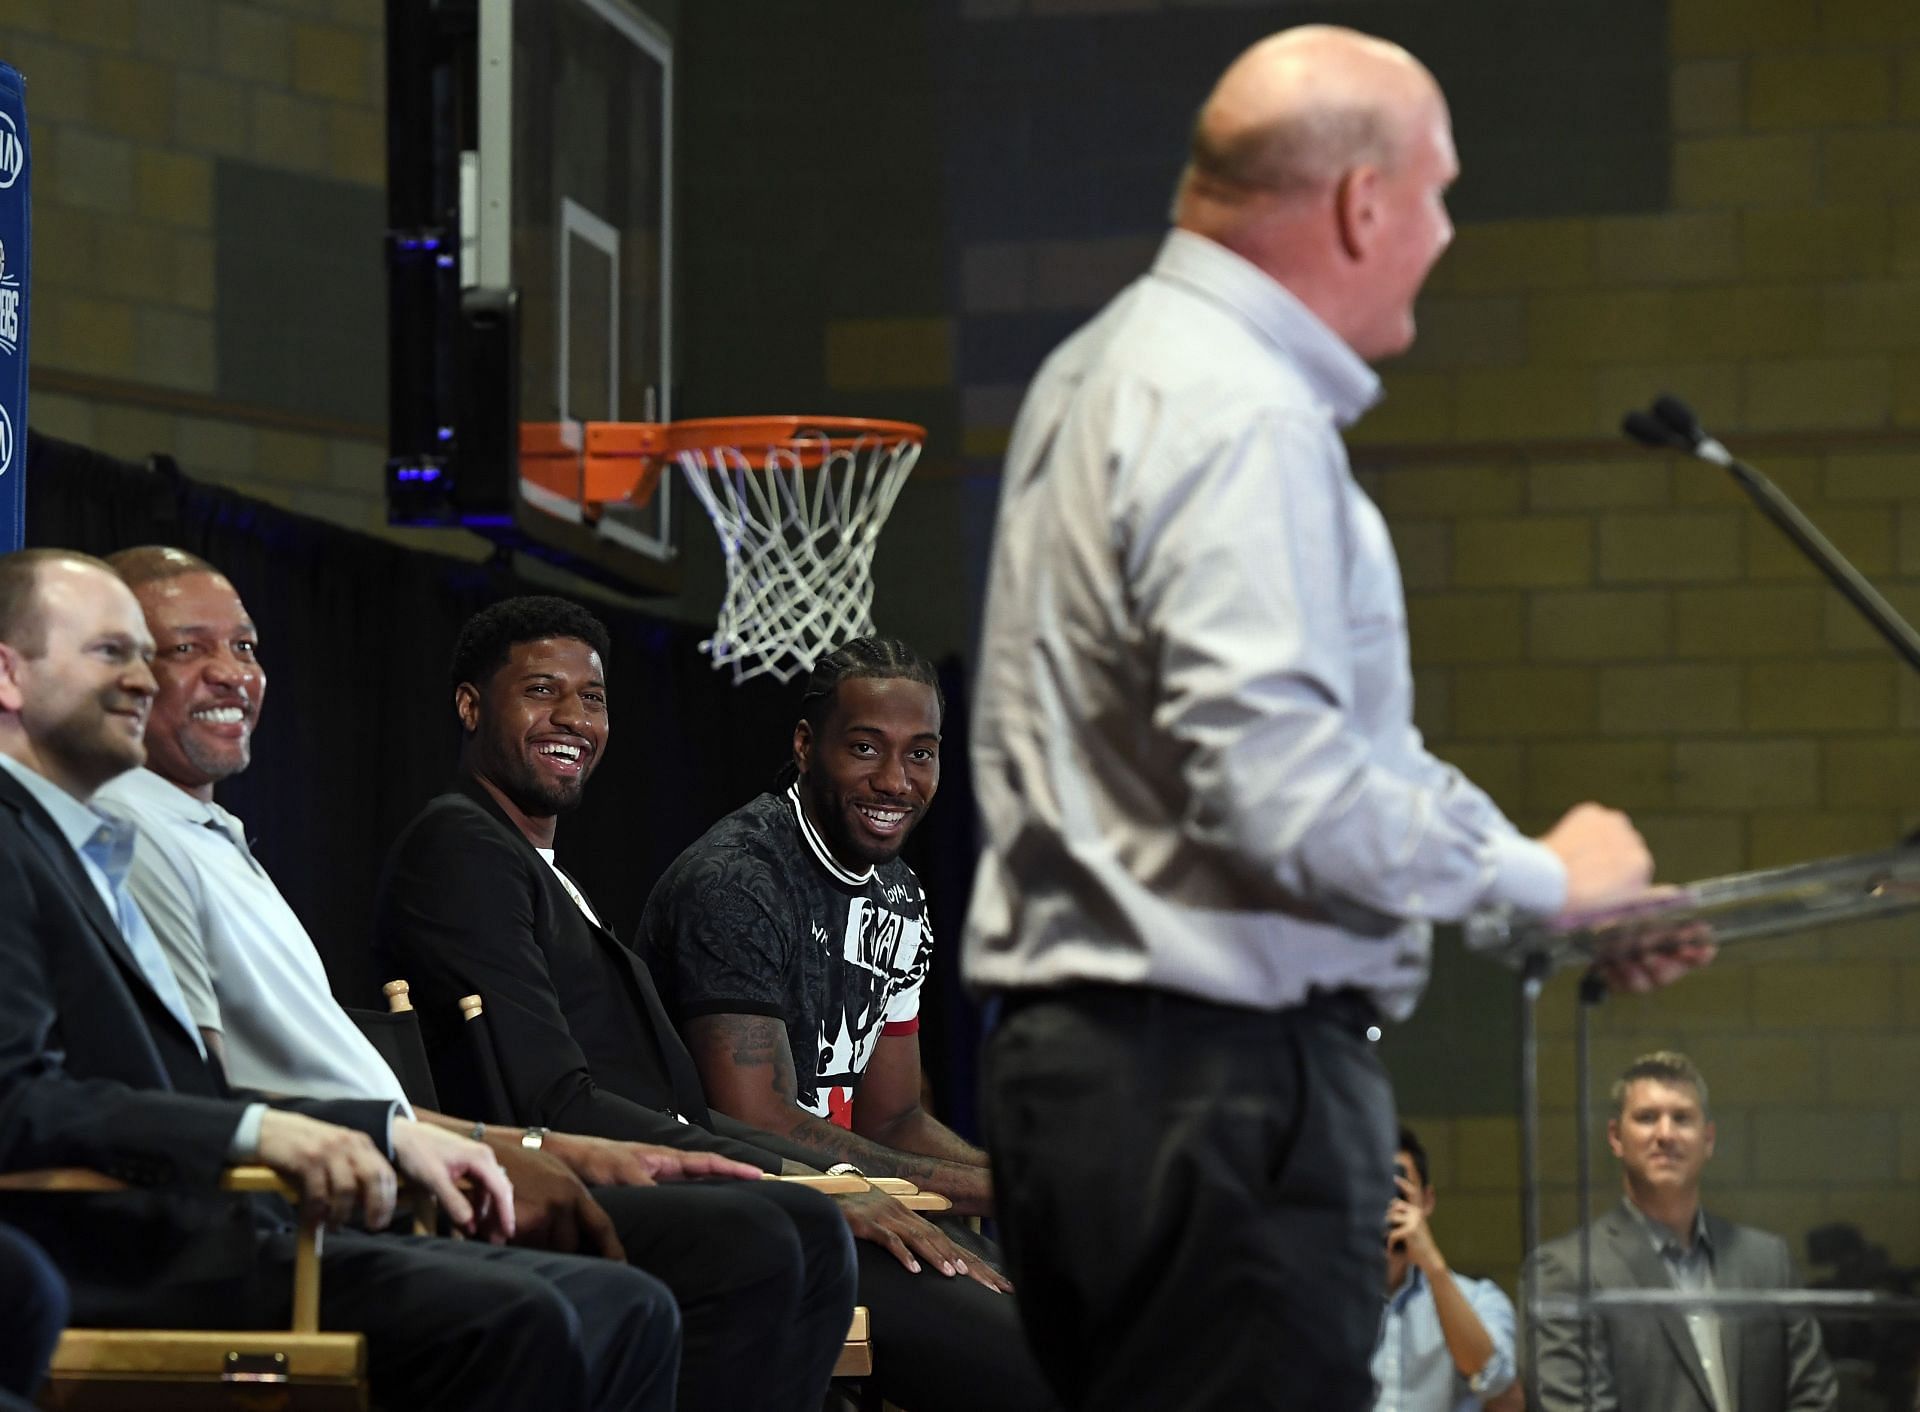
1605,857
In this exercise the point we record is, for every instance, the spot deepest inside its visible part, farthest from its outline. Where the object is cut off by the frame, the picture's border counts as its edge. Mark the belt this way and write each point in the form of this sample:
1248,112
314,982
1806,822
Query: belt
1349,1007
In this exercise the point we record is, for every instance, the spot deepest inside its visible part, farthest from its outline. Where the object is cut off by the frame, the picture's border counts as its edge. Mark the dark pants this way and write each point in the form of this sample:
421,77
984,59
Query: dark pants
464,1324
1193,1198
947,1344
33,1311
764,1276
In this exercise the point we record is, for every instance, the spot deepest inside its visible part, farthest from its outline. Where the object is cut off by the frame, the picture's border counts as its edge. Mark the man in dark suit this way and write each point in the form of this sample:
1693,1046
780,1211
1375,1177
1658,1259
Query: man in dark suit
472,902
101,1067
33,1311
1659,1237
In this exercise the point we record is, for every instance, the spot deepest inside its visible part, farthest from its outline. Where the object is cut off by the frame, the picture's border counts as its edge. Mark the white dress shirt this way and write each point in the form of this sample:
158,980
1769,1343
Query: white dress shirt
1193,740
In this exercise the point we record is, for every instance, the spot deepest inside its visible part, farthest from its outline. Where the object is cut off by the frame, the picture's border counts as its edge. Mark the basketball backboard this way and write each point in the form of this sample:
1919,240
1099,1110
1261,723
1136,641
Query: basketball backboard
560,128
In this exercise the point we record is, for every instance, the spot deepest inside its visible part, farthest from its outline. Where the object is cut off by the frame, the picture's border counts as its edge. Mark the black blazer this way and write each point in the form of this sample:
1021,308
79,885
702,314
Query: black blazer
96,1072
467,907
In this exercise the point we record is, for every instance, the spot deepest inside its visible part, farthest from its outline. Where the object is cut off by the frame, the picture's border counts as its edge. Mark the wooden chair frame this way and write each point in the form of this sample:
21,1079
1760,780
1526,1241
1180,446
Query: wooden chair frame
140,1368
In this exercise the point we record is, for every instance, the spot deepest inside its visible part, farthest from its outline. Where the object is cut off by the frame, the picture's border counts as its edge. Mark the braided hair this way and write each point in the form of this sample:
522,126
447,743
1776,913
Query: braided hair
873,658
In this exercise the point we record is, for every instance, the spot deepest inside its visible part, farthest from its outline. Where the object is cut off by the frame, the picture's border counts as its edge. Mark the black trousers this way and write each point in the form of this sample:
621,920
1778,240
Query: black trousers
33,1311
1193,1198
947,1344
464,1324
763,1273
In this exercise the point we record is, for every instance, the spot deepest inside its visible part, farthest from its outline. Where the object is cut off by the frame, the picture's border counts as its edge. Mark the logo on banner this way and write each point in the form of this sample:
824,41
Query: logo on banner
6,439
9,306
13,152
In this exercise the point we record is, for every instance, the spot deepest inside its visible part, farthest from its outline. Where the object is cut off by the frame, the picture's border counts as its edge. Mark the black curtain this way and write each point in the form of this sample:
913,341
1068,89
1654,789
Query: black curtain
357,731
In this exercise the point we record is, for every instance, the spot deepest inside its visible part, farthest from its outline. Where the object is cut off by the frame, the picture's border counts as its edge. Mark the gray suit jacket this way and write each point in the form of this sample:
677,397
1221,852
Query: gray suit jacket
1646,1361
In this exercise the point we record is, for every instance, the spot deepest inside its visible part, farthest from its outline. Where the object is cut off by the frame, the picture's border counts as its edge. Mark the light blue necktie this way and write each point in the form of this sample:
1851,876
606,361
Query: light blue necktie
111,849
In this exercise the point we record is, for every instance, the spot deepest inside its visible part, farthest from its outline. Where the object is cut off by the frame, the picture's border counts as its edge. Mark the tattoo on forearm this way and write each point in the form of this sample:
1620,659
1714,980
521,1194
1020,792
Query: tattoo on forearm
749,1042
836,1144
759,1042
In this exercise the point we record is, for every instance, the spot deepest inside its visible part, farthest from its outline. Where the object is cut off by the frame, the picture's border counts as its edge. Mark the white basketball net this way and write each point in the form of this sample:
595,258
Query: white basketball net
799,544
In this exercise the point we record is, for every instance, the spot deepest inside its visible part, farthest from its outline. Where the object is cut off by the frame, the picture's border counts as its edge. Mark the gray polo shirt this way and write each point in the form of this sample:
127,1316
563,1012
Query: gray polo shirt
1193,739
245,963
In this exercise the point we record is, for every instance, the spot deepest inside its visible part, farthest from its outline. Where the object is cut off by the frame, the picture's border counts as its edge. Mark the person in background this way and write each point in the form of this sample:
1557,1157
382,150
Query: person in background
1660,1236
1446,1340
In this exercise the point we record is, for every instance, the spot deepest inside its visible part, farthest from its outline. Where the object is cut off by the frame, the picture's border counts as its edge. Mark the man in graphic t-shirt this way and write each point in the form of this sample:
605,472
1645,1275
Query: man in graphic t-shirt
790,942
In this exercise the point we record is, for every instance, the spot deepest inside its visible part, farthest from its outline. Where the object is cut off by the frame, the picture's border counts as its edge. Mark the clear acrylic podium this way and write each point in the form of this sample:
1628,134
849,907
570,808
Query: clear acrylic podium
1808,1020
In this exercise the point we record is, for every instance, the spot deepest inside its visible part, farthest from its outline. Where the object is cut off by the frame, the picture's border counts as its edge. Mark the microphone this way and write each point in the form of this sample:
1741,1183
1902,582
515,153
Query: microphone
1672,425
1648,430
1677,415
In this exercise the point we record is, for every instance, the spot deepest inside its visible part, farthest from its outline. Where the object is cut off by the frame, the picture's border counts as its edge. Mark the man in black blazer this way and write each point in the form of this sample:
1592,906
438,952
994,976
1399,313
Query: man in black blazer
100,1067
33,1312
472,902
1660,1237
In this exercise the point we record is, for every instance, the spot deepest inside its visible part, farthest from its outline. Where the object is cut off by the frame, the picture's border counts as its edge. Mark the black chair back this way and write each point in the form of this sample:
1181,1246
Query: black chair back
397,1038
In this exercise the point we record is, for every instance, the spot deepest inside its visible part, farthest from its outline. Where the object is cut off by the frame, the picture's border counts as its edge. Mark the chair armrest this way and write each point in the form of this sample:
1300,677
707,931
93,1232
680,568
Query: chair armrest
899,1188
250,1178
820,1181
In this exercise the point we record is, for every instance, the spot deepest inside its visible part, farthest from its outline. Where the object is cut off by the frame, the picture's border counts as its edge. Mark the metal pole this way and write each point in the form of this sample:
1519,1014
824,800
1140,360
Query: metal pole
1593,990
1533,979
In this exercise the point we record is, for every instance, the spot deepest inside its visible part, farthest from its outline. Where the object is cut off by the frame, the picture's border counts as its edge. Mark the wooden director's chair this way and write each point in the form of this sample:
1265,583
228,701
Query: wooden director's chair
299,1369
487,1097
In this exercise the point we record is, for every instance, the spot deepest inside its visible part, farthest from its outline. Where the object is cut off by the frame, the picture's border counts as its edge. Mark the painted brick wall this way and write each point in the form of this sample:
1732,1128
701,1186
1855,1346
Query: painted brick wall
1588,619
1592,620
137,108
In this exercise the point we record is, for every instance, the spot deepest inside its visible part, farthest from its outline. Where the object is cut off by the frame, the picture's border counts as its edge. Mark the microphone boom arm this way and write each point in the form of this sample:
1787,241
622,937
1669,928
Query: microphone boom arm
1853,585
1673,425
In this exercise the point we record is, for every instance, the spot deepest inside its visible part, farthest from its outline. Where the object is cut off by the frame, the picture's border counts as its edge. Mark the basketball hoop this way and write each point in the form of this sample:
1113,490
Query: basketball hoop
797,503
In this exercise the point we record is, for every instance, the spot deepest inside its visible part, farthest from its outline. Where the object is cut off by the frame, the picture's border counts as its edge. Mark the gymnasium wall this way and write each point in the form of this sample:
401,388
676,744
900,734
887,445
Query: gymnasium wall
895,209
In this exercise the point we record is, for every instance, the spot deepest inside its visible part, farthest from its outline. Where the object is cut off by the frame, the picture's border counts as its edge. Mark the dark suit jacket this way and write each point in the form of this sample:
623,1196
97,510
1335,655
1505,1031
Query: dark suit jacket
96,1072
467,907
1647,1360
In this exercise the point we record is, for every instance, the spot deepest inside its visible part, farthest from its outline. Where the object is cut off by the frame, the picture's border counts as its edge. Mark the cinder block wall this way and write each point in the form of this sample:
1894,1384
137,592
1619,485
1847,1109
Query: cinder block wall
1590,620
147,117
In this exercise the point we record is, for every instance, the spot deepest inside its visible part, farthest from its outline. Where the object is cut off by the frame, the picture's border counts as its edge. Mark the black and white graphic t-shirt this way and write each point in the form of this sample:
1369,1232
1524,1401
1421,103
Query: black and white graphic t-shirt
758,918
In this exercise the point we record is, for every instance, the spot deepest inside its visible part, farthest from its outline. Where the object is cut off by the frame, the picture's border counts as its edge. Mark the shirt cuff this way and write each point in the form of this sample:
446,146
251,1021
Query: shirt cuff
1527,875
1495,1378
244,1145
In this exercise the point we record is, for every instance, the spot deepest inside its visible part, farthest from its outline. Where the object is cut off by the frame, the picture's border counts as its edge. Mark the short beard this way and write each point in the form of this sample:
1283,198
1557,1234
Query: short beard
216,766
533,796
829,813
86,755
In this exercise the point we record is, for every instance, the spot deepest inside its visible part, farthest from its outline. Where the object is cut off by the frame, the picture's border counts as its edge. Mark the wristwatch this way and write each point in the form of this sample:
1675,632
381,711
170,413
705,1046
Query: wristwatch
532,1138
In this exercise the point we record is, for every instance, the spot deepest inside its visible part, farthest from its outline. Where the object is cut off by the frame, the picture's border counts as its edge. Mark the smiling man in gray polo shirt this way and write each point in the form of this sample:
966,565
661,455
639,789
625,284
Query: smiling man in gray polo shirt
272,1016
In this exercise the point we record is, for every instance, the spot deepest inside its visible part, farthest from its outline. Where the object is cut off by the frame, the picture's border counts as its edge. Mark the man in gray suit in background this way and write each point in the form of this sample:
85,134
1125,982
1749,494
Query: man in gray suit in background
1659,1237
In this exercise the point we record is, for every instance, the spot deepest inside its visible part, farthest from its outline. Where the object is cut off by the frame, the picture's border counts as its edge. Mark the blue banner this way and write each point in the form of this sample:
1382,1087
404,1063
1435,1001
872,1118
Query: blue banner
14,225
